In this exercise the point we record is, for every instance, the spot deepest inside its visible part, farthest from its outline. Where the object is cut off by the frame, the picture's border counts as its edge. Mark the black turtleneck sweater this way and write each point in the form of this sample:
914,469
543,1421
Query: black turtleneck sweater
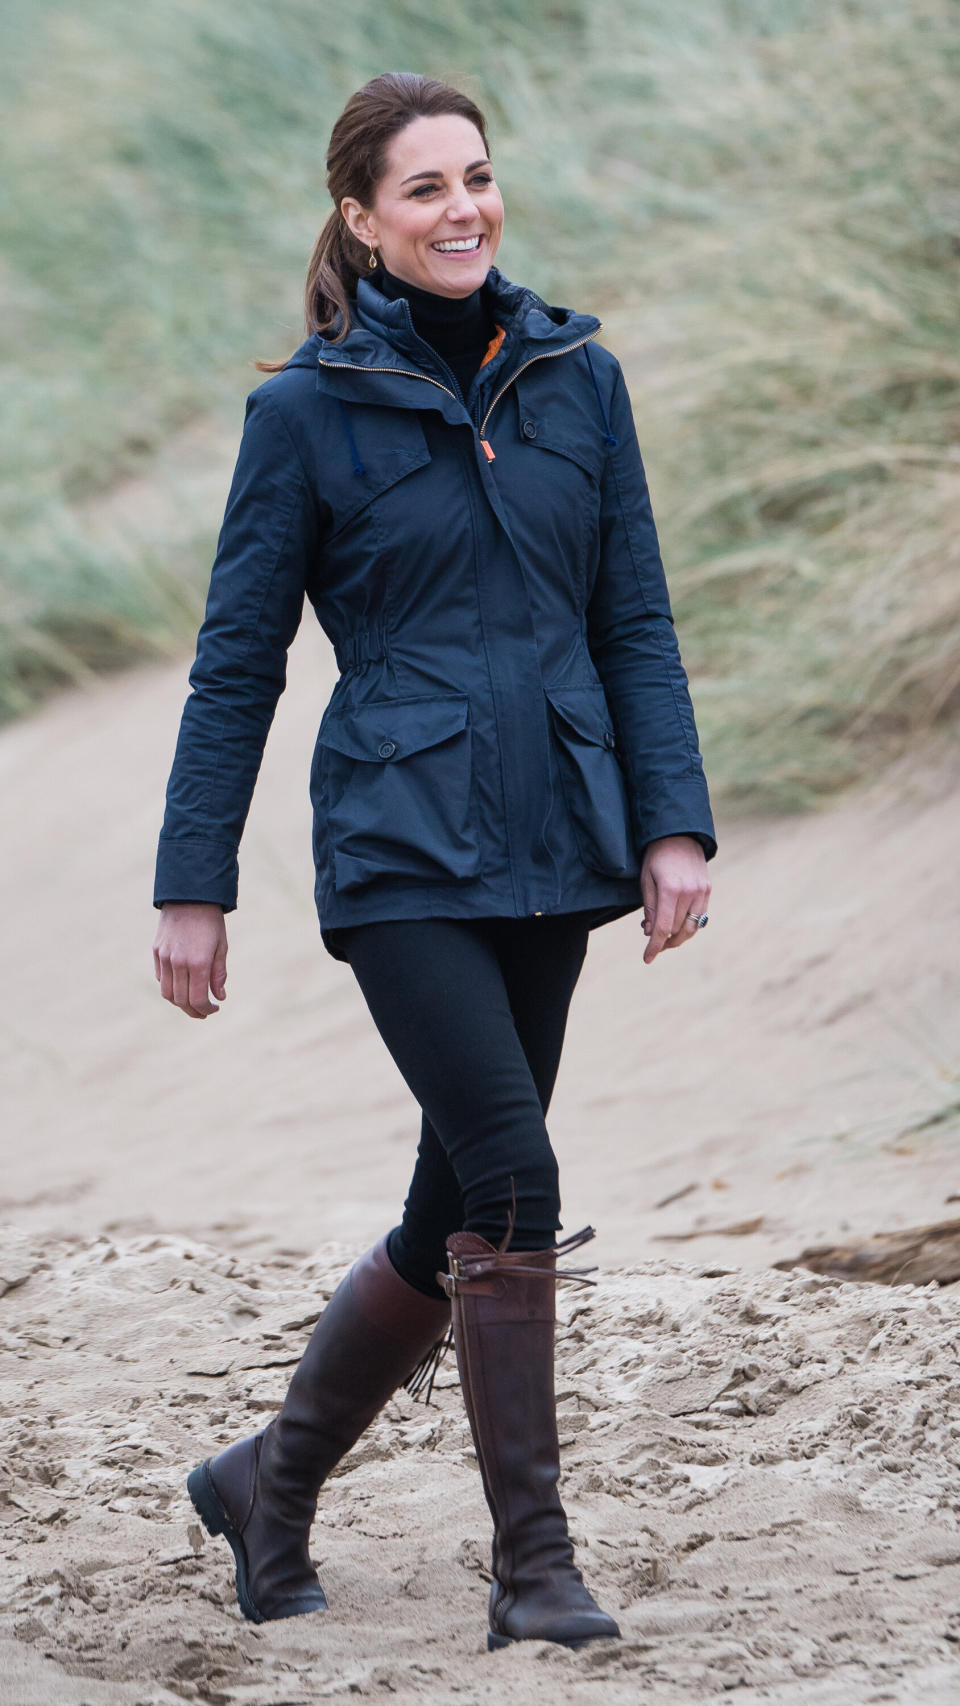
459,328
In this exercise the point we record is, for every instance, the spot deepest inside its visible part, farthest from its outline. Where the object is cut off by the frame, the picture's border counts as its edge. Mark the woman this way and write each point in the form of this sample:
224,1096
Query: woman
448,469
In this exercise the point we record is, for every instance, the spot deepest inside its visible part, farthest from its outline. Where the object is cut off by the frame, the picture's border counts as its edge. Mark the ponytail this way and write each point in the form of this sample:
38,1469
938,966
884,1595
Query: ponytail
337,261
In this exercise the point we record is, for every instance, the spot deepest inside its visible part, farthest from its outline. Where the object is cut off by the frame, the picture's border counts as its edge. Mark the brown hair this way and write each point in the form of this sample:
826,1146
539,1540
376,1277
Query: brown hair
356,162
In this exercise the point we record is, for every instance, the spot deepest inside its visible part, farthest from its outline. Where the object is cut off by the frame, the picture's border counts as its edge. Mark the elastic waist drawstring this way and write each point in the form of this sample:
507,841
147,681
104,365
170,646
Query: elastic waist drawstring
608,435
358,467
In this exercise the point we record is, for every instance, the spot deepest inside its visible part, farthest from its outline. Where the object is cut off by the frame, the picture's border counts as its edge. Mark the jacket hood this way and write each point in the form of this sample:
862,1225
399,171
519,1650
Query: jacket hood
382,333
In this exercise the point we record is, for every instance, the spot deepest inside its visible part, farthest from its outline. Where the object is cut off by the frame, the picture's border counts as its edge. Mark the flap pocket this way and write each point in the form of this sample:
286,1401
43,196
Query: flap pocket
389,445
587,452
397,787
387,730
586,711
593,783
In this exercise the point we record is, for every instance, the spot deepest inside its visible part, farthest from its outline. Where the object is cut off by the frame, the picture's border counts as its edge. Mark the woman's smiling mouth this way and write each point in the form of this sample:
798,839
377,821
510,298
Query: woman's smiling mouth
458,245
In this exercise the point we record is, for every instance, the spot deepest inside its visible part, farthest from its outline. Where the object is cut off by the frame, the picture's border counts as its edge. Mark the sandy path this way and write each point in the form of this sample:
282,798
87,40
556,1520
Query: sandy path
178,1196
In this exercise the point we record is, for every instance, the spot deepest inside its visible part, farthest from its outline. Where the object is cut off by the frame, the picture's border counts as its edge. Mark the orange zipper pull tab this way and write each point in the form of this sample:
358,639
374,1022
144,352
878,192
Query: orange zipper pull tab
488,451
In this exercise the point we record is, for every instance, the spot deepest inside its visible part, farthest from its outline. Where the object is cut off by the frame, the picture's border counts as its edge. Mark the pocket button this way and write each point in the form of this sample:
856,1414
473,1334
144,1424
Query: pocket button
609,739
529,429
387,749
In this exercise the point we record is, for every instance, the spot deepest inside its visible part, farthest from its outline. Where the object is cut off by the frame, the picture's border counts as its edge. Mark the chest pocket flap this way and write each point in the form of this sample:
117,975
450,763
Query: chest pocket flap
585,448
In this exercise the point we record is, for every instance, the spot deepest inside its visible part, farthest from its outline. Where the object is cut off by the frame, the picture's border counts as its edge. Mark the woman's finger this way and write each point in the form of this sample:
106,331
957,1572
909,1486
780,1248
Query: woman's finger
648,889
181,989
687,928
681,913
218,976
662,923
199,989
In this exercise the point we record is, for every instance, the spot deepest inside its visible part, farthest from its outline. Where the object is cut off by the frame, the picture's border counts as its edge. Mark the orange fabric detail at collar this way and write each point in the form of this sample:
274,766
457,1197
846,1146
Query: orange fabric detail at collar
494,345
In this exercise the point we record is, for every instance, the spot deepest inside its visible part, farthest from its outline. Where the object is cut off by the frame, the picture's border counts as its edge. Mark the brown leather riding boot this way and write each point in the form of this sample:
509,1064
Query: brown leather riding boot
261,1493
504,1323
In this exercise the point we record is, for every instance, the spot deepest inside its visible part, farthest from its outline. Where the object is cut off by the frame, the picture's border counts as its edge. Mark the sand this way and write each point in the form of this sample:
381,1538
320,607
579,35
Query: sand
761,1468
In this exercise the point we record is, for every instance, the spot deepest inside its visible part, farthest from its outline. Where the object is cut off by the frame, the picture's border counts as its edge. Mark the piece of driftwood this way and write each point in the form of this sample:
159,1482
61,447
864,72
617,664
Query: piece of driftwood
736,1229
675,1196
914,1256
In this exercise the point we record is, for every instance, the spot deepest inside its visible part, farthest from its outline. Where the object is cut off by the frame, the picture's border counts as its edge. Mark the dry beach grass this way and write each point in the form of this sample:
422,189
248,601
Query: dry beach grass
759,200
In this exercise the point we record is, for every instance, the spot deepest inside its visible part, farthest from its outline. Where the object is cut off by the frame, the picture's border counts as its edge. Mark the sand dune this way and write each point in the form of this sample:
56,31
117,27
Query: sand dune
762,1468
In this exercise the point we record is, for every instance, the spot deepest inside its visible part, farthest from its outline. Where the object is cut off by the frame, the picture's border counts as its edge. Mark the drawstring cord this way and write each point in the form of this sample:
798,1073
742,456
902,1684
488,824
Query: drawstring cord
609,438
358,467
551,799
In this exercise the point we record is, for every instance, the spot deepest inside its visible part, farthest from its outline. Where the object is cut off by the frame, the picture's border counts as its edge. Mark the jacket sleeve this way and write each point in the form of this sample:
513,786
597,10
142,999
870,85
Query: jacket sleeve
631,637
254,605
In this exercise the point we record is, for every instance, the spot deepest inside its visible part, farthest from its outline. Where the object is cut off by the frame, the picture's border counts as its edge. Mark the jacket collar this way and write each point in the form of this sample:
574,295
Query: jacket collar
383,336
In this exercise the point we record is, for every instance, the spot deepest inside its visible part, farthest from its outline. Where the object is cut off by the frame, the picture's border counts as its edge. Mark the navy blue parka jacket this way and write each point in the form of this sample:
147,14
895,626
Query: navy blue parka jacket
512,723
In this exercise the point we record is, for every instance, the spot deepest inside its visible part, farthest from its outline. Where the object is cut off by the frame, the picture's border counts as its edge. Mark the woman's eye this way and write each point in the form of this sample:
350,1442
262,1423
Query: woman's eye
480,180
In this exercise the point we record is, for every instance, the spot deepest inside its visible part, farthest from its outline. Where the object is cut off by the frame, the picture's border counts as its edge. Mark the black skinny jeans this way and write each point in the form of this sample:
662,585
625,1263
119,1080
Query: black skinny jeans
473,1012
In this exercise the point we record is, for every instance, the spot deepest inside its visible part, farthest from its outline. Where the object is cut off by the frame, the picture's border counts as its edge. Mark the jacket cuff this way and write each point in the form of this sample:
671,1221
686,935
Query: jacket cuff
706,841
192,868
680,809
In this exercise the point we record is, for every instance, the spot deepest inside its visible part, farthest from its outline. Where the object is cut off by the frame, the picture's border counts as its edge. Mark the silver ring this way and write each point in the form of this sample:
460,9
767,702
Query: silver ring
701,918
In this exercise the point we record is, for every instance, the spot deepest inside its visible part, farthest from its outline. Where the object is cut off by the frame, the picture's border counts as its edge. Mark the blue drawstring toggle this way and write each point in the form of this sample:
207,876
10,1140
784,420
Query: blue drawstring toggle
608,437
358,467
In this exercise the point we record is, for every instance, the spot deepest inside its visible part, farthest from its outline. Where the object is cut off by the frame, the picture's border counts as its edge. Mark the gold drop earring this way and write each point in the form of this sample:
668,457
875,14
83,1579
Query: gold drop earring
372,262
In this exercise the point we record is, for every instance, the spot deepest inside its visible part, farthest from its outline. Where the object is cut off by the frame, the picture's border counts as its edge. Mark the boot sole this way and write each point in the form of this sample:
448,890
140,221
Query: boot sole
203,1497
494,1642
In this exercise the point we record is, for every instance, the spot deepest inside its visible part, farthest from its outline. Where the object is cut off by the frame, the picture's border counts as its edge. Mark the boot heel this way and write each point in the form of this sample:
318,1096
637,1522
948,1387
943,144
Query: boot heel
204,1500
216,1521
495,1641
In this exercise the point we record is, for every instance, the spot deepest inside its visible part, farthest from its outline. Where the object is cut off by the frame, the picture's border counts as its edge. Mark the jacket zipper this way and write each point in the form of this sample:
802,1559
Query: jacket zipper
405,372
411,373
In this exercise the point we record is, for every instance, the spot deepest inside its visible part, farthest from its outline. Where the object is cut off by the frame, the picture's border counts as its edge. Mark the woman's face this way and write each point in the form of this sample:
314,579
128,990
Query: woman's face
438,189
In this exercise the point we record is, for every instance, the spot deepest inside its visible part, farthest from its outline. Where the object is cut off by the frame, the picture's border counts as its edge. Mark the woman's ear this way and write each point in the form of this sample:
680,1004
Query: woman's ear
358,220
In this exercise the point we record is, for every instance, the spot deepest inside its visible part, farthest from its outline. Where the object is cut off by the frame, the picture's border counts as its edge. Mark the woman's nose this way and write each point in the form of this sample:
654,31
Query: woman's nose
460,205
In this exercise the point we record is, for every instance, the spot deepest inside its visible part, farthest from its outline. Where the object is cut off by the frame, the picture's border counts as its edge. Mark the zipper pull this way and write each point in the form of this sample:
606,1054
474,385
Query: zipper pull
487,451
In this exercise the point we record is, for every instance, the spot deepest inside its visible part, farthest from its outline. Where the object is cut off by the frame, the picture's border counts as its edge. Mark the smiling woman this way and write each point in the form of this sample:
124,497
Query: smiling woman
382,180
450,473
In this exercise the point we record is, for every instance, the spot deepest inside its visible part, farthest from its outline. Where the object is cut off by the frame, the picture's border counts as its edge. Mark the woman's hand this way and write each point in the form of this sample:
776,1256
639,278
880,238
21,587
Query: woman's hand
190,956
673,882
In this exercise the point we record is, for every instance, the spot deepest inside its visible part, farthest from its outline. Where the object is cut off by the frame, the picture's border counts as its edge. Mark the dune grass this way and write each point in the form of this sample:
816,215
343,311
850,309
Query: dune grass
798,393
759,197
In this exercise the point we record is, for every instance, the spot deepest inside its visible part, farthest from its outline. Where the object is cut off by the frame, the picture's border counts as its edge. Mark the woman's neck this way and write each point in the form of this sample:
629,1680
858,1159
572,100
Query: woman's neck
447,322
